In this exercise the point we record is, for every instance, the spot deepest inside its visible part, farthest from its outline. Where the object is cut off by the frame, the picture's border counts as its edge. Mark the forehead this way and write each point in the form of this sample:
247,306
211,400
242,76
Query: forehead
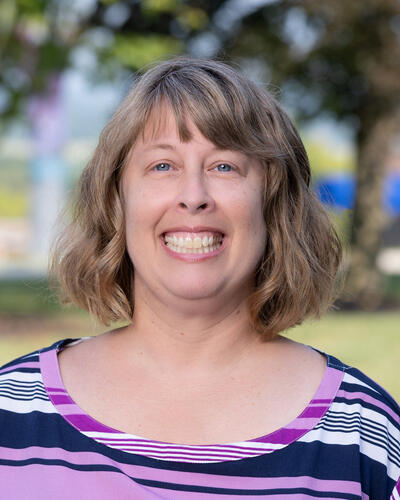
164,121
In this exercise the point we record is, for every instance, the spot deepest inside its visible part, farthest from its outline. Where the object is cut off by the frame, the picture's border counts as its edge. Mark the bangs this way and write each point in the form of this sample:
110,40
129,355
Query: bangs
228,118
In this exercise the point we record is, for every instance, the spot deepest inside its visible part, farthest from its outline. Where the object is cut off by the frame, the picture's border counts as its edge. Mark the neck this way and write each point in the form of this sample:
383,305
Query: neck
205,338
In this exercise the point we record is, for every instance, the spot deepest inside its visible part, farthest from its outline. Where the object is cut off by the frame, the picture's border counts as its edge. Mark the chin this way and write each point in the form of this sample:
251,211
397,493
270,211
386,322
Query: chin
193,291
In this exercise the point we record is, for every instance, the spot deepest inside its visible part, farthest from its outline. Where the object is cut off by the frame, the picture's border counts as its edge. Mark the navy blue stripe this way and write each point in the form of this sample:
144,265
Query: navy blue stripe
359,422
385,396
21,359
22,370
241,492
21,383
10,389
175,486
382,436
14,398
353,387
59,344
368,405
367,438
25,395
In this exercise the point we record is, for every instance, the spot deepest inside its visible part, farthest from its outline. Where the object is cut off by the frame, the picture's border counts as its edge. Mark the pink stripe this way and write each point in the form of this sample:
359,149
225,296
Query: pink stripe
199,447
27,364
85,423
183,495
38,481
68,409
395,490
187,457
294,430
60,399
329,385
50,372
326,391
283,436
193,453
52,378
189,478
369,399
314,412
304,423
55,389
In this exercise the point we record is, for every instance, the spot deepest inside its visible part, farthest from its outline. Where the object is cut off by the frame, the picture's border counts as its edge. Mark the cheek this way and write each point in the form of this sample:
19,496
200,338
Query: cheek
247,211
141,208
250,212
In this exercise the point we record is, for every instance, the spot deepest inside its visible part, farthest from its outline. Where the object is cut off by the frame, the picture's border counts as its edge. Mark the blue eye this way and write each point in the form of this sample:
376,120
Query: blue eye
162,167
224,167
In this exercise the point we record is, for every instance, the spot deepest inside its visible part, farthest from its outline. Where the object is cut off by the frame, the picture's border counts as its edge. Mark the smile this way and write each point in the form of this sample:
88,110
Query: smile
193,245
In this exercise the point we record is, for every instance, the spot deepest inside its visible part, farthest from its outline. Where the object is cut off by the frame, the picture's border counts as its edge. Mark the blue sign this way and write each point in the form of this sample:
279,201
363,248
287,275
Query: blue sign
338,191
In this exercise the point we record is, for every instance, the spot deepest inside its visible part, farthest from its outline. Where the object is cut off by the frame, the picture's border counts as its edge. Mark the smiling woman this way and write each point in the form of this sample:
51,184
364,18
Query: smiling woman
196,222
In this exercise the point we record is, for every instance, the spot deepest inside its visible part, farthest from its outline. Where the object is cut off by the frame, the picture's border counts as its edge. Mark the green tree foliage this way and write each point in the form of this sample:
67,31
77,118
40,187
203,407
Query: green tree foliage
341,57
39,38
333,55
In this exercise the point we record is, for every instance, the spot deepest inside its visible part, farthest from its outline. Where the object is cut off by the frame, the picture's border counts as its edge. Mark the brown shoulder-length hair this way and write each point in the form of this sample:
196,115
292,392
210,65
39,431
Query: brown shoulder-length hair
296,276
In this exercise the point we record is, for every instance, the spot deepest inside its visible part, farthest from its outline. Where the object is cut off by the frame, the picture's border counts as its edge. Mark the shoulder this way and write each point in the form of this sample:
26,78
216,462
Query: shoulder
28,363
21,385
360,394
359,388
365,416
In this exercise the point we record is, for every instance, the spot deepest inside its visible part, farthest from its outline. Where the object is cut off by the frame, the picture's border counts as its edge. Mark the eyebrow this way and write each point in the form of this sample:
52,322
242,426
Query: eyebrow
170,147
159,146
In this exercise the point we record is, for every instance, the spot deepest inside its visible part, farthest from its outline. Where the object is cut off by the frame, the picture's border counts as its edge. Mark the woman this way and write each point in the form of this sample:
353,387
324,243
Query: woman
196,222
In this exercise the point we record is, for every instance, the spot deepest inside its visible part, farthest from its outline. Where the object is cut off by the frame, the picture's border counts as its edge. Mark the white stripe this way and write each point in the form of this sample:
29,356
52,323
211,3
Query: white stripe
27,406
186,456
369,425
126,439
28,356
357,409
348,438
172,448
22,396
22,376
353,380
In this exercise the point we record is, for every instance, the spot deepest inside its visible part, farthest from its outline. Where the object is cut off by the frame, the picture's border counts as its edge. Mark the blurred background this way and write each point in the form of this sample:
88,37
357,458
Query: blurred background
334,65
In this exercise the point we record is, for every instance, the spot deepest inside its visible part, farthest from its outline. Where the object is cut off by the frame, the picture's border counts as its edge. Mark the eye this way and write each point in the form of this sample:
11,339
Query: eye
162,167
224,167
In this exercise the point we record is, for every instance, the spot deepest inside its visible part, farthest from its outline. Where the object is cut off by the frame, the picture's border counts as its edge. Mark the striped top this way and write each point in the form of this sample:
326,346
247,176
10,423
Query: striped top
344,445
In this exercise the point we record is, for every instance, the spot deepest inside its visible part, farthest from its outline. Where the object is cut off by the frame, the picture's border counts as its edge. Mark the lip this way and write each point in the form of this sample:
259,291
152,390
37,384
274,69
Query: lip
193,229
193,257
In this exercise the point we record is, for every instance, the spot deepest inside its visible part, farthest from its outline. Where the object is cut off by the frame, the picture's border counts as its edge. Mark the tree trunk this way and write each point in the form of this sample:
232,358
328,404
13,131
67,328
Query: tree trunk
364,281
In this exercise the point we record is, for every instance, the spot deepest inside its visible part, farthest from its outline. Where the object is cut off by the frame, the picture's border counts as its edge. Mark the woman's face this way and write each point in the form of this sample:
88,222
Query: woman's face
194,223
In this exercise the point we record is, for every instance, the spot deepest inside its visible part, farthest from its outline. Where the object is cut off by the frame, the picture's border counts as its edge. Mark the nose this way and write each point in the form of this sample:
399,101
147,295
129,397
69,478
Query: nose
194,194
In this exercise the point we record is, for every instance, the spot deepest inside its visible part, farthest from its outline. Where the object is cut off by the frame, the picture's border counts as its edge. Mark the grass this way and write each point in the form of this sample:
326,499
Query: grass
371,342
368,341
27,297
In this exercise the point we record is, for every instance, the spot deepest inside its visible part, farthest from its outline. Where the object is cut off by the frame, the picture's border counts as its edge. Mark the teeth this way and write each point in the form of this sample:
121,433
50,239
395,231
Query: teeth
208,249
197,242
205,243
